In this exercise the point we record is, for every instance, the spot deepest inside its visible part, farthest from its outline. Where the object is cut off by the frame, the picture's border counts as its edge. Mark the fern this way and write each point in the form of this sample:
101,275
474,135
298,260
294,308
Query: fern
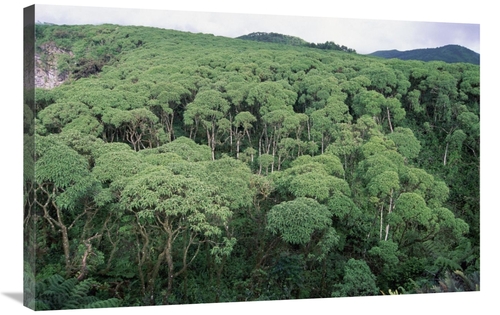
40,306
470,282
57,293
29,286
113,302
455,281
447,264
431,248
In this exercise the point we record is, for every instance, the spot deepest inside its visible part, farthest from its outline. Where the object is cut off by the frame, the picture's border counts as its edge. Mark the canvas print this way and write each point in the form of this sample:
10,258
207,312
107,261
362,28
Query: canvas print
186,157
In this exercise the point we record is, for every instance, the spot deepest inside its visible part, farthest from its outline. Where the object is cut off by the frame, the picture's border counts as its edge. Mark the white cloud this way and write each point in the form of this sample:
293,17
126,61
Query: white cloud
364,35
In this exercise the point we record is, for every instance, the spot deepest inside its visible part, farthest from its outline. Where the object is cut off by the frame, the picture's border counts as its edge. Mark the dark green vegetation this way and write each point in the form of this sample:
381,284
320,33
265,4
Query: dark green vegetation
448,53
293,41
187,168
274,38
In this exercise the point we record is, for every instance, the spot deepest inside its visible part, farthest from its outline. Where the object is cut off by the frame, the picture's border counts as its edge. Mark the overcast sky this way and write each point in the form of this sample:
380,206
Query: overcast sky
363,35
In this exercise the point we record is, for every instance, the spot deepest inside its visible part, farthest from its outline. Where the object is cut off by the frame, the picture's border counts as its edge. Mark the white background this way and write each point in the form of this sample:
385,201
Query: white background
479,11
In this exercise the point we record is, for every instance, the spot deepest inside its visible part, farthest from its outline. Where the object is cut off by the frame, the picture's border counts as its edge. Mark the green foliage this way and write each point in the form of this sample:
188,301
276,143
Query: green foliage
358,280
187,149
287,275
112,166
188,200
58,115
455,281
68,171
233,186
293,41
384,260
406,142
174,167
411,207
57,293
296,220
59,164
225,250
29,286
274,38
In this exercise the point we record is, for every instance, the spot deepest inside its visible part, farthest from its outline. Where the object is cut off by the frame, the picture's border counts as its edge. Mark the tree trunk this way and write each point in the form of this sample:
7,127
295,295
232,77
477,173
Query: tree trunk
88,252
308,130
390,210
142,254
249,139
65,241
381,219
445,154
238,148
389,119
170,265
231,133
213,142
322,144
171,135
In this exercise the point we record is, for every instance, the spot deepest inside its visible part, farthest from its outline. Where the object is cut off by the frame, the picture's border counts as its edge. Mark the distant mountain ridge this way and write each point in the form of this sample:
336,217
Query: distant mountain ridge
274,38
293,41
448,53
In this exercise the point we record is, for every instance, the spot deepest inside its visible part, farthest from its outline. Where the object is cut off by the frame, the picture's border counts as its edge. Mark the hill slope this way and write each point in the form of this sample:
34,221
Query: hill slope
293,41
448,53
274,38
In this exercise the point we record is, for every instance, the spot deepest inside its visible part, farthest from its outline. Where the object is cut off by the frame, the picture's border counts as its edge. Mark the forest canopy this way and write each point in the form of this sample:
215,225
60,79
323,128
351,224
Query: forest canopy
176,168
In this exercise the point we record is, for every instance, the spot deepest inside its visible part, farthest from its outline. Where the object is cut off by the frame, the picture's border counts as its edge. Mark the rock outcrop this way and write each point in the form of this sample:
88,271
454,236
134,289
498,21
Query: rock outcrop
47,75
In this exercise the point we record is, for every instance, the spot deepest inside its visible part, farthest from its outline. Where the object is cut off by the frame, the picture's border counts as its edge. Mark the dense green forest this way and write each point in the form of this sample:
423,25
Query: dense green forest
176,168
293,41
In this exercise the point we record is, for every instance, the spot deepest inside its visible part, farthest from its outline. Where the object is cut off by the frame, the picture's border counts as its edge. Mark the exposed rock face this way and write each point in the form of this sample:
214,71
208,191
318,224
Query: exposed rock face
47,75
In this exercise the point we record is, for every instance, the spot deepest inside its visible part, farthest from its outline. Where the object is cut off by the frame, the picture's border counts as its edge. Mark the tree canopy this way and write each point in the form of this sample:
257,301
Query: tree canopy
173,168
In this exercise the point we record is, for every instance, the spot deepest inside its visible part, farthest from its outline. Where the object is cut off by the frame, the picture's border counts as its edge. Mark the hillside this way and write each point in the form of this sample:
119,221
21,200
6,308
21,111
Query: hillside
293,41
448,53
177,168
274,38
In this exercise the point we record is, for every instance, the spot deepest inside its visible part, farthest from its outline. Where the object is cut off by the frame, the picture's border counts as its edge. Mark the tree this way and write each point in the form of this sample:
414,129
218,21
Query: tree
384,79
345,145
383,187
393,108
358,280
136,126
64,192
186,211
369,103
207,110
375,105
384,260
187,149
406,142
315,89
410,215
325,121
296,220
167,98
243,120
313,179
86,124
113,166
56,116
